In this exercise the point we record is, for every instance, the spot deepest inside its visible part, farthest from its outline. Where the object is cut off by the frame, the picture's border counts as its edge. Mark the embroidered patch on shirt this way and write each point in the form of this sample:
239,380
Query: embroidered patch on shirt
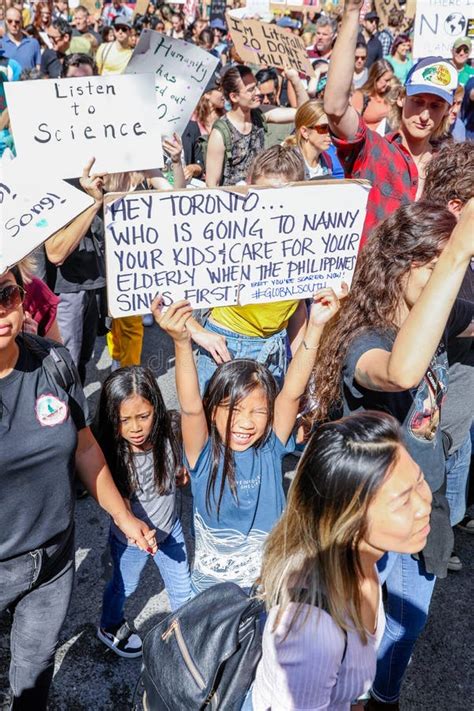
50,410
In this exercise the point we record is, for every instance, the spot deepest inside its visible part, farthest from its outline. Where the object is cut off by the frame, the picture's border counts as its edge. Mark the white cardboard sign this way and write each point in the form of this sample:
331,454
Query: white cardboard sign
231,246
181,71
32,209
59,124
437,25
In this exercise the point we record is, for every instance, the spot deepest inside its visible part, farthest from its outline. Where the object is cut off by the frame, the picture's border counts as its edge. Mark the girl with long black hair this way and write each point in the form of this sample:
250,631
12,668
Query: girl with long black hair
138,439
234,441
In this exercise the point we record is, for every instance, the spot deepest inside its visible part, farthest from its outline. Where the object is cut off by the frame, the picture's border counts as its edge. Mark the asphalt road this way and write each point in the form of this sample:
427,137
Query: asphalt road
89,677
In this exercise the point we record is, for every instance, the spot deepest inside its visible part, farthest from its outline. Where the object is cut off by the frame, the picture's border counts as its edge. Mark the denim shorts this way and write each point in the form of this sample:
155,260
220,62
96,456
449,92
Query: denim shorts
269,351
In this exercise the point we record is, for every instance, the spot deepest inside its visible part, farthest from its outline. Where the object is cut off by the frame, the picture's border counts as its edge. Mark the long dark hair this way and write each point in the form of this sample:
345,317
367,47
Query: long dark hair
120,385
230,383
312,555
411,236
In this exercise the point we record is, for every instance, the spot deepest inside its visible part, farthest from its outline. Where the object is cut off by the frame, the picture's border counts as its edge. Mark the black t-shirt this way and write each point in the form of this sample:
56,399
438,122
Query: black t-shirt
84,269
418,409
38,438
51,64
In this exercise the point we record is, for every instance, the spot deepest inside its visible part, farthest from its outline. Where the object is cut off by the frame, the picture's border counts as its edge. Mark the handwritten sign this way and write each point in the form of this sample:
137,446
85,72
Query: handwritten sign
31,210
60,123
266,44
181,72
231,246
438,26
383,9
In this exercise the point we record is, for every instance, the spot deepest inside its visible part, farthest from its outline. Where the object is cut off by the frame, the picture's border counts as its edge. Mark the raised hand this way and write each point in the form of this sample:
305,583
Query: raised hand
325,305
173,147
173,321
93,183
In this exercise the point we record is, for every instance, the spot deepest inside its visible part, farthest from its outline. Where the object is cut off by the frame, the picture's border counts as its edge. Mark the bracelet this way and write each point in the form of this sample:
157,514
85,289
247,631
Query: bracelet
309,348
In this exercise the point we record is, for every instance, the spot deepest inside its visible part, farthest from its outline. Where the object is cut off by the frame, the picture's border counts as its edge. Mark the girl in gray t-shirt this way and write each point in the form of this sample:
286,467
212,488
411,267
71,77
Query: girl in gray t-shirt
142,450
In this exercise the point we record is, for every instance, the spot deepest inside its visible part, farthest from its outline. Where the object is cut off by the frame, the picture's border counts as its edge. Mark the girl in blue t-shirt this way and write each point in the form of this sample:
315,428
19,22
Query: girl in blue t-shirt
142,449
234,441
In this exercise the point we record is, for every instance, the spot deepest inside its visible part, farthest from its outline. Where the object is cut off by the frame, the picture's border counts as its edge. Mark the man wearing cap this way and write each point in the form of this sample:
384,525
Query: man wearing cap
368,33
395,163
113,57
461,52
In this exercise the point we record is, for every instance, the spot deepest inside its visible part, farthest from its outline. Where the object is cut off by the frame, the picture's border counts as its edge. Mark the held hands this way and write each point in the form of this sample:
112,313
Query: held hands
173,322
93,183
326,305
173,148
137,532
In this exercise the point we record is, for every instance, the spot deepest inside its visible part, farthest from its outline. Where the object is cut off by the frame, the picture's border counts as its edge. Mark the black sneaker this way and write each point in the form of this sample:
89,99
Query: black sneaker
467,524
121,640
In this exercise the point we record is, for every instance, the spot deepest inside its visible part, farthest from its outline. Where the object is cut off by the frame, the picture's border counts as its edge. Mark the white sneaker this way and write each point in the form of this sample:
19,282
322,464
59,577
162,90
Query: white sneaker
121,640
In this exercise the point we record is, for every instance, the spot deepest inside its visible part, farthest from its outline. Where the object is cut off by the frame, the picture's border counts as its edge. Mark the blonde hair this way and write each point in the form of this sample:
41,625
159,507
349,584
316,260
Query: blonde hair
397,112
123,182
307,115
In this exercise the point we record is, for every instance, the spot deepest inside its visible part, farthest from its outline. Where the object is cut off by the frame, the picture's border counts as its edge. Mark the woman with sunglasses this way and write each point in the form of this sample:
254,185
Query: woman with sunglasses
44,441
386,351
312,139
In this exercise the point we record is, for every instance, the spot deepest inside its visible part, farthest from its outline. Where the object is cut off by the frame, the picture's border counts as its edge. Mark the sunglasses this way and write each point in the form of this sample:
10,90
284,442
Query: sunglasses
462,50
14,22
11,297
270,96
322,128
120,28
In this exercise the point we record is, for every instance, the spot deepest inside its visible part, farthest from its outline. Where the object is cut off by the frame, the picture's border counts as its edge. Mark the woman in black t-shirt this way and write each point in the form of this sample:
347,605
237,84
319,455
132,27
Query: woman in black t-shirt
44,439
386,352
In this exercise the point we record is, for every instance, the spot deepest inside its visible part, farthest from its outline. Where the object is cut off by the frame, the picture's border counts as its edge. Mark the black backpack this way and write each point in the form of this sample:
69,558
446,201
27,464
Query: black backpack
51,360
204,655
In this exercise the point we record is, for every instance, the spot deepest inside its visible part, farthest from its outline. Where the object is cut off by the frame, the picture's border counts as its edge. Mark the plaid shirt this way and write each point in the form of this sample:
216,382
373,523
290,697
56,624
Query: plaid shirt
385,38
384,162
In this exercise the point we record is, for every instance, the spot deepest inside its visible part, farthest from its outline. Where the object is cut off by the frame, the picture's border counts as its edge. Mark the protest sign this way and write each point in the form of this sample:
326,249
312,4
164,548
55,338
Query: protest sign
258,7
437,26
32,209
383,8
218,8
93,7
59,124
181,71
141,6
263,43
230,246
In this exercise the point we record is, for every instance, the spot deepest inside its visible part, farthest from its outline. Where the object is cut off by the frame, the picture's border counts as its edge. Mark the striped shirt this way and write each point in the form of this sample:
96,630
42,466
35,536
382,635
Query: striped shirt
312,668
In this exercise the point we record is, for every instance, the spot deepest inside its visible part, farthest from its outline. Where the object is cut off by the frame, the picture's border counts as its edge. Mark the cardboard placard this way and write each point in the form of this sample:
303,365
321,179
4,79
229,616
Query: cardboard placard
112,118
93,7
31,210
181,71
231,246
438,26
383,8
266,44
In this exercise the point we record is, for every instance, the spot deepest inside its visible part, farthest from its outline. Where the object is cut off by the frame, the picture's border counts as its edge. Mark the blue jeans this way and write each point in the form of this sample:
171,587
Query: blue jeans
36,588
409,589
128,563
269,351
457,475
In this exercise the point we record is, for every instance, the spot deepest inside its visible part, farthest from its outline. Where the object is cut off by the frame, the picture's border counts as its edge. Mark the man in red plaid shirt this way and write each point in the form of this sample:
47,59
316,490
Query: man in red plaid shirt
395,163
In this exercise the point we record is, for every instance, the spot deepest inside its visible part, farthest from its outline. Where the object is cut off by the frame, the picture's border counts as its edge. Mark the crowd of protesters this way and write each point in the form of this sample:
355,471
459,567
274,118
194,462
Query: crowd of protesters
372,386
